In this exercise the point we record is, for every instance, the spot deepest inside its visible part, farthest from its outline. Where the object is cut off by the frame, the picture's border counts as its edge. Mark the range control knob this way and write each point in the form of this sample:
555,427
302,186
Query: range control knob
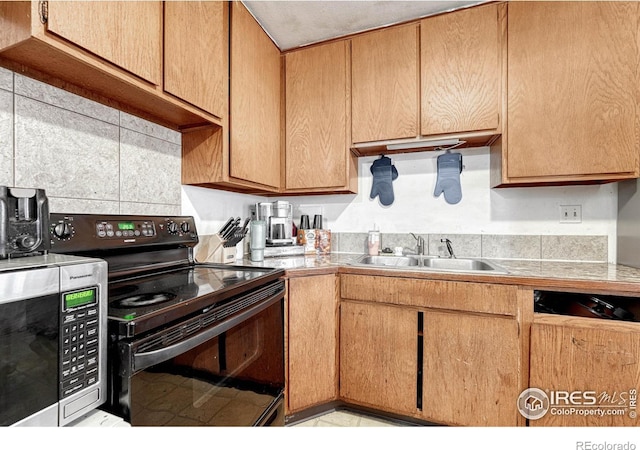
172,227
63,230
185,227
25,242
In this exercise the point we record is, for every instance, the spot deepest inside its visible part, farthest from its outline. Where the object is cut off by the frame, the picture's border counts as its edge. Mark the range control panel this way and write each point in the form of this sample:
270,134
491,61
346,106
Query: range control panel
90,232
128,228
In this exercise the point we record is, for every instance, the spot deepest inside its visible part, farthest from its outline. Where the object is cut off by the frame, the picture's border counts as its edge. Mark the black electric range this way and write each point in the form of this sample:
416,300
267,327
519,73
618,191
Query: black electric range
153,278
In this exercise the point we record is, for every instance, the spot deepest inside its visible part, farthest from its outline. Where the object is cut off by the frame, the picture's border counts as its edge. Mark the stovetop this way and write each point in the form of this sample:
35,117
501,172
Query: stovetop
143,302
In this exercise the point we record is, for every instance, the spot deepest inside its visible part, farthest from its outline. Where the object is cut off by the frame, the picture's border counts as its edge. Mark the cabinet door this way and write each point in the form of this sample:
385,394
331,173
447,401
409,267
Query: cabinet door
470,372
196,53
255,102
384,78
312,341
573,90
127,34
316,121
588,355
460,71
378,356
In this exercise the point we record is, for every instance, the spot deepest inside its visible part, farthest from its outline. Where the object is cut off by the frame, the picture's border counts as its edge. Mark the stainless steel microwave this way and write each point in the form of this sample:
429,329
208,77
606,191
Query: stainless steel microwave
53,316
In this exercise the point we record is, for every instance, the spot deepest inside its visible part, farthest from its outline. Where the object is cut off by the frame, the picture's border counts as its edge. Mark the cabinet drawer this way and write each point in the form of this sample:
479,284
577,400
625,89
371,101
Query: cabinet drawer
453,295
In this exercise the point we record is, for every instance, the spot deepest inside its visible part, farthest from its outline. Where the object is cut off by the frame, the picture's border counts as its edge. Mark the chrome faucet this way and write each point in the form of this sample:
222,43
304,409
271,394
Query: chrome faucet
420,249
449,247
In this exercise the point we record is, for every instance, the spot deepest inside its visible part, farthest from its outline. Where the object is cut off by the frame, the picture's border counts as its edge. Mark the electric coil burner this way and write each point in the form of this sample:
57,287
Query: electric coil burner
190,343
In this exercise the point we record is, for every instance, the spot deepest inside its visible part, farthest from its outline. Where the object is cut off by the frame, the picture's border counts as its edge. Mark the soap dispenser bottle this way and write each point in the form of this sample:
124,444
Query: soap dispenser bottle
373,241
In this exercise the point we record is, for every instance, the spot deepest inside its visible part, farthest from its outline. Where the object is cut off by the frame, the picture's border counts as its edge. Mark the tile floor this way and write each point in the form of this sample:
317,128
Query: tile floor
345,419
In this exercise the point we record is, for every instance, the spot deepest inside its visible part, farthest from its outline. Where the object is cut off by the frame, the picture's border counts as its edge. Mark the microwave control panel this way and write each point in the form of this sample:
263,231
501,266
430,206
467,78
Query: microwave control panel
79,341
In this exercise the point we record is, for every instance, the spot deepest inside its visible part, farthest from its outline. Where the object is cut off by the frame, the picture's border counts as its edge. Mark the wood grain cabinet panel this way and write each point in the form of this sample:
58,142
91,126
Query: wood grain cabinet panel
127,34
317,155
384,79
254,142
378,356
471,370
460,296
460,67
196,53
573,91
312,341
596,355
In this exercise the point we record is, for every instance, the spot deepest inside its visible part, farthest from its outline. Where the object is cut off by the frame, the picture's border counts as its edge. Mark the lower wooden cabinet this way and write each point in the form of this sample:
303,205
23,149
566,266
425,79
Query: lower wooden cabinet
471,369
420,357
312,366
595,361
378,356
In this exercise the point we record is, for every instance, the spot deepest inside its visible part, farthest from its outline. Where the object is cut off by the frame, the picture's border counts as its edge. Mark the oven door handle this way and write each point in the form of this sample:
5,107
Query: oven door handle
145,360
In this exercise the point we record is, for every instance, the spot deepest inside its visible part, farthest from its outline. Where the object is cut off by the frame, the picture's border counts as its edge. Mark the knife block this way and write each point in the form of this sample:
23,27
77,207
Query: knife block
209,248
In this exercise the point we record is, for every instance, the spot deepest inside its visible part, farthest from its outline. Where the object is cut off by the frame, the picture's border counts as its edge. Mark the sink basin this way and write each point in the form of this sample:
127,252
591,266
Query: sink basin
464,264
431,263
386,261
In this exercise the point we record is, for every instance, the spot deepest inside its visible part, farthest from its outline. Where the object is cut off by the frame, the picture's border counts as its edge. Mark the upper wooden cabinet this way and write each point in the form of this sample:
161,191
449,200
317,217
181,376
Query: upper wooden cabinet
244,155
110,52
128,34
439,78
384,80
317,155
460,70
255,102
196,53
573,94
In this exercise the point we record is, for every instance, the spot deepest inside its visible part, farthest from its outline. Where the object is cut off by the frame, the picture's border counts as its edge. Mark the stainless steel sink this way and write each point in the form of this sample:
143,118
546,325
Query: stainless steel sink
386,261
432,263
465,264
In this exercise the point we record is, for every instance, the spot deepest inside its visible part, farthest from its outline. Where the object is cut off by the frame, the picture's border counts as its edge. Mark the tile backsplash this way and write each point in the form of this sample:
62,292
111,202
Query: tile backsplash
88,157
561,248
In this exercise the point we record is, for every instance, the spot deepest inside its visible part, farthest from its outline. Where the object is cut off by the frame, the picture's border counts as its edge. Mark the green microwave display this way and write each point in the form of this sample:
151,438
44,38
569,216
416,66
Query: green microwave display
126,226
80,298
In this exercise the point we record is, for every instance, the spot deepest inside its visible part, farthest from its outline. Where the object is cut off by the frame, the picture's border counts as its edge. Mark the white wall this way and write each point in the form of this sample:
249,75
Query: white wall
531,210
211,208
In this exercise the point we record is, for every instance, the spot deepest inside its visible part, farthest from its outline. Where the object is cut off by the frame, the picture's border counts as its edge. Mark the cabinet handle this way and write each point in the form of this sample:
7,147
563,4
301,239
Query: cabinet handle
44,11
420,360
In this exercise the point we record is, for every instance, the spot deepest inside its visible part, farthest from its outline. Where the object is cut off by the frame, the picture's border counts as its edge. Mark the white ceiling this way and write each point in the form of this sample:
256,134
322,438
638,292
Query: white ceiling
292,23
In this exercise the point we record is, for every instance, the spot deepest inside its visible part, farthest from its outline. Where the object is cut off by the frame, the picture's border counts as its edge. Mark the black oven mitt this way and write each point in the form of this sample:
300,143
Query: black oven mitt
383,174
449,169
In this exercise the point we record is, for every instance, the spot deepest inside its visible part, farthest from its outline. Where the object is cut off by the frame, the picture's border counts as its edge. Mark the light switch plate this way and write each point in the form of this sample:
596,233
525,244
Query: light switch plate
570,213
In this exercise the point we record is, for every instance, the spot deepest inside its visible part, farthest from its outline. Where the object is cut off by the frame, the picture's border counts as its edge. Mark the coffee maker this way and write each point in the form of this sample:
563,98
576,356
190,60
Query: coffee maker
278,217
24,222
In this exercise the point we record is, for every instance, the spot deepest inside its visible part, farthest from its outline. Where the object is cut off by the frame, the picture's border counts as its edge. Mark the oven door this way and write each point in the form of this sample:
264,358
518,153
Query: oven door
29,347
226,373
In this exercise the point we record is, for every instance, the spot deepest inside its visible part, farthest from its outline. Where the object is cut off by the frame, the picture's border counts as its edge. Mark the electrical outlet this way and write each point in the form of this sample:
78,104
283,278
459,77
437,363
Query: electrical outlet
570,213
